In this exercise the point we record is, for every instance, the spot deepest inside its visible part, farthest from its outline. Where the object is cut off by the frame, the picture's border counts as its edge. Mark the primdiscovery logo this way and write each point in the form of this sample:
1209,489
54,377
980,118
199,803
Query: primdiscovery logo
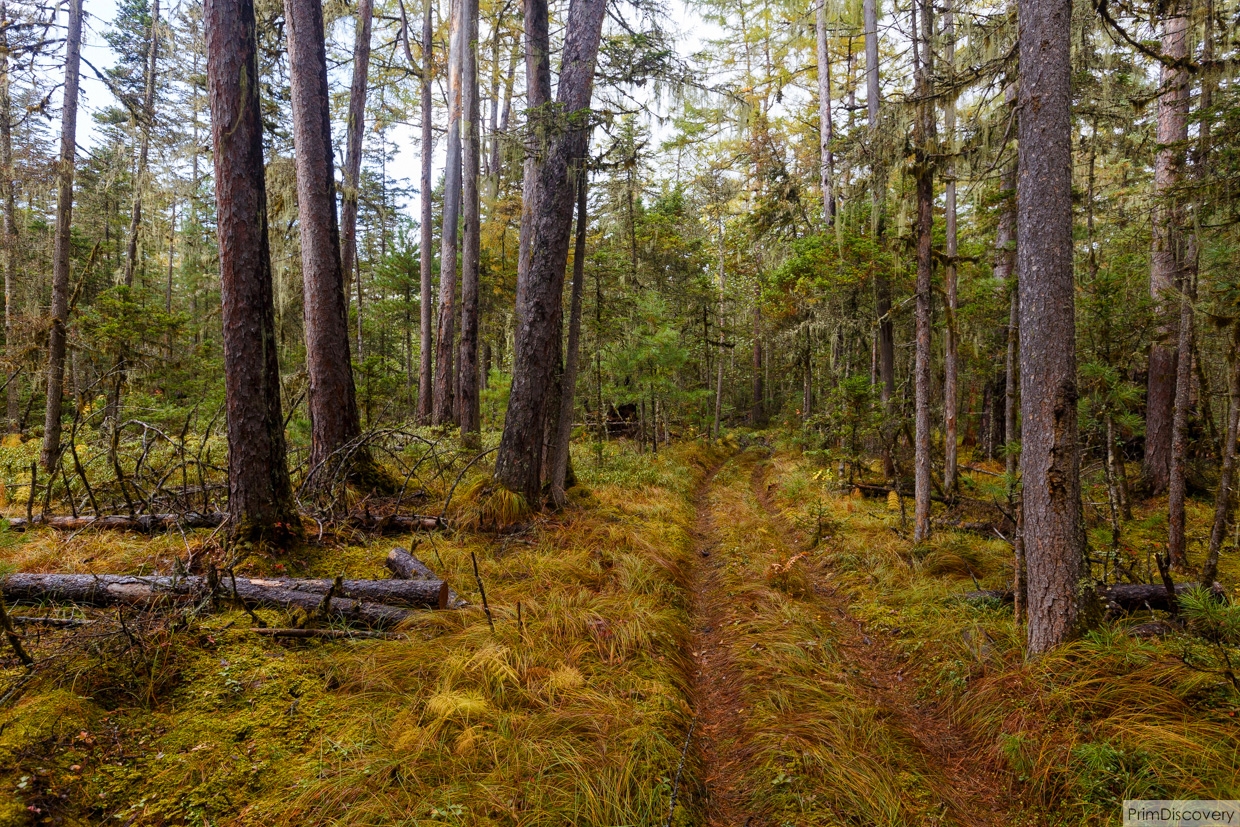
1184,813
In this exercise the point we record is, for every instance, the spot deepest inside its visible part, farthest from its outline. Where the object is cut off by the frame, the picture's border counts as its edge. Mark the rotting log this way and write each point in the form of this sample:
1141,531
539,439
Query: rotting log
355,600
1122,598
321,634
405,566
144,523
152,523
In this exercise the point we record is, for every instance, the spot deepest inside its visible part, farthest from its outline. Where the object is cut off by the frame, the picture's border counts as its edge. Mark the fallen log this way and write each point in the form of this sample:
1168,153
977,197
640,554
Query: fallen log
355,600
1121,598
398,524
405,566
144,523
152,523
321,634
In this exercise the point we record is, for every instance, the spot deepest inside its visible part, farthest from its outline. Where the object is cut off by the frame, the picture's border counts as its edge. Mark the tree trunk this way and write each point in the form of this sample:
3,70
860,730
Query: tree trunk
559,155
1166,256
12,403
334,419
468,408
355,130
757,413
371,602
1224,497
1177,485
1053,532
719,355
144,145
426,230
445,332
260,502
50,453
563,437
923,137
951,392
882,287
825,132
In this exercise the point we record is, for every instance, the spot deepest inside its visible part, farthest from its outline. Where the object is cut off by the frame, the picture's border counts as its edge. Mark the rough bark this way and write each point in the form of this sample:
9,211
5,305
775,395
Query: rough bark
334,419
371,602
1166,255
558,156
1054,536
8,194
354,131
260,503
1177,483
564,430
445,330
144,523
468,403
426,230
56,337
757,413
922,138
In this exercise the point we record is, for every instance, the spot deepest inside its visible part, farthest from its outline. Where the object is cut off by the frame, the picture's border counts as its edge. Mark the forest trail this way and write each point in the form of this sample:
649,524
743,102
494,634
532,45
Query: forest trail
972,792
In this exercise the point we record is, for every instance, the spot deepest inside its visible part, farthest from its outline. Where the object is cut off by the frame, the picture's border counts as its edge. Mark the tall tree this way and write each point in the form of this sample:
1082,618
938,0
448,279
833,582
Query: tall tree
334,419
445,331
825,131
468,410
560,456
426,236
558,153
145,123
882,287
354,132
260,501
1050,466
1166,256
924,171
56,337
951,392
8,192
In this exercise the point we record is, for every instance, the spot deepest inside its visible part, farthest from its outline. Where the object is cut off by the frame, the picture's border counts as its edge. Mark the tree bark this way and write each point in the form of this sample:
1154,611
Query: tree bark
332,401
8,193
558,158
882,287
445,331
923,137
1053,532
426,230
757,413
56,338
560,454
468,407
260,502
1166,256
1177,484
355,131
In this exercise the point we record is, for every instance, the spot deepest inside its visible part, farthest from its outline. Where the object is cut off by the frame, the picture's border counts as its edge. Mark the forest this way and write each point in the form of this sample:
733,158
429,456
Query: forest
619,412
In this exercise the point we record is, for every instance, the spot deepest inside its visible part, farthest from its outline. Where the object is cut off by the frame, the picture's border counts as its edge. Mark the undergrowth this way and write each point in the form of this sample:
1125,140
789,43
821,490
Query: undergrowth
576,714
1106,718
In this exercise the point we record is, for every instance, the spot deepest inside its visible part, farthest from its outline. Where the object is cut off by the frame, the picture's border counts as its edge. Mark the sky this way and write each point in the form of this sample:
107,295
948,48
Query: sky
691,35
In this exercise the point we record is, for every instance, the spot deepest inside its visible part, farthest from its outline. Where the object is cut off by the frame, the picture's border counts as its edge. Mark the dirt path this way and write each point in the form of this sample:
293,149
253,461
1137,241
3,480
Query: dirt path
978,791
717,682
974,793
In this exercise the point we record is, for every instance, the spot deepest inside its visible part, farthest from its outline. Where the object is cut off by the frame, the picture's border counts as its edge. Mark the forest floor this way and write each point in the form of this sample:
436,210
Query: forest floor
713,635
